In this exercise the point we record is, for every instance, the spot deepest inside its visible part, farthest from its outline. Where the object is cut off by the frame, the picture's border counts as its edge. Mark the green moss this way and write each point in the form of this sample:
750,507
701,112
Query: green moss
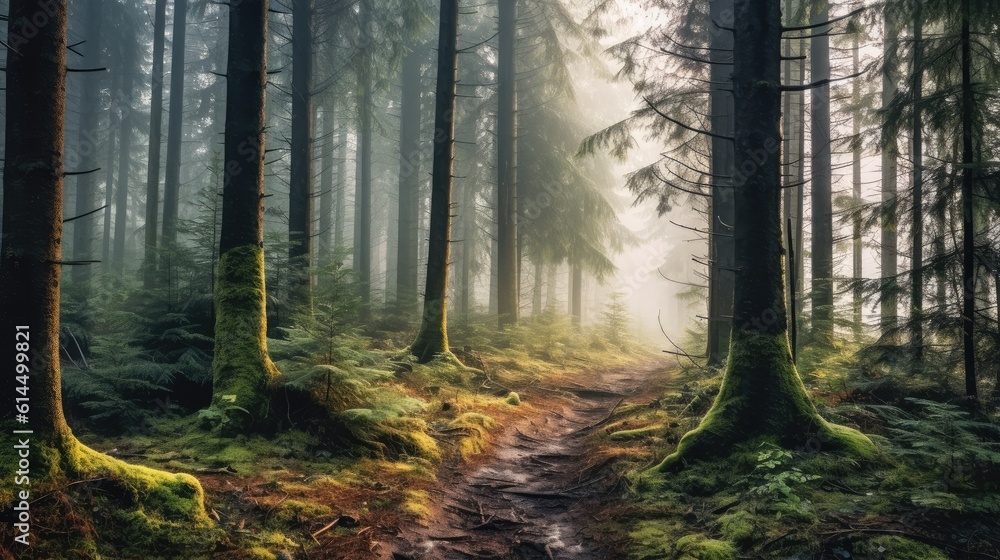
762,396
638,433
291,511
172,497
259,553
652,539
739,527
888,547
432,339
513,399
415,504
700,547
139,509
662,539
243,371
477,433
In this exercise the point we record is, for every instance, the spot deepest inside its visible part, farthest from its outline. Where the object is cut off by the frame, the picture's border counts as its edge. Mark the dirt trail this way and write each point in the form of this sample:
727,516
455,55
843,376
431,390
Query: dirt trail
535,495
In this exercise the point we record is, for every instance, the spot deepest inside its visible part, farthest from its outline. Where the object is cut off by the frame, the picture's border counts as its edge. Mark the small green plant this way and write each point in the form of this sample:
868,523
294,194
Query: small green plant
775,483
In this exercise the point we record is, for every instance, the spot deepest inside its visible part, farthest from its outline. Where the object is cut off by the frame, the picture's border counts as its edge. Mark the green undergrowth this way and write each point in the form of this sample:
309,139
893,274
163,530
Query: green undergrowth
357,430
85,504
930,490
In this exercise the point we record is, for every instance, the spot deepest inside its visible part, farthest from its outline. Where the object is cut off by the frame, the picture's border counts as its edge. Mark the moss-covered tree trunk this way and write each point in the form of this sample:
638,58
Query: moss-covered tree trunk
30,258
762,396
300,174
432,340
243,372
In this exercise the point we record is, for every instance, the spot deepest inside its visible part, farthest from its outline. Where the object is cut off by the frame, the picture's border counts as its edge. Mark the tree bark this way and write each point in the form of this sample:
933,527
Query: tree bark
363,198
175,126
723,166
243,371
536,292
300,173
761,394
576,295
340,188
822,196
508,282
917,256
432,340
149,275
109,176
87,148
124,168
968,223
793,152
326,188
30,260
409,182
890,154
857,202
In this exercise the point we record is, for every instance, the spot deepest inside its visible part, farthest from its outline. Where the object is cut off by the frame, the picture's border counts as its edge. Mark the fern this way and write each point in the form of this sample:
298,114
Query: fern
959,455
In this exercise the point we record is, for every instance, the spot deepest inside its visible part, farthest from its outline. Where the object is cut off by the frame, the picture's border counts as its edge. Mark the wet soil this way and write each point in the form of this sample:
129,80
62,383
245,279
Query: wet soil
544,491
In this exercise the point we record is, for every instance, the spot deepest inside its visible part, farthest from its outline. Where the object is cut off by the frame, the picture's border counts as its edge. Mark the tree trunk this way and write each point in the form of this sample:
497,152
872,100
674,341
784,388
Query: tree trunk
109,176
576,298
794,138
124,168
30,258
175,128
857,247
85,159
536,292
761,395
300,173
243,371
890,153
822,196
508,283
432,340
968,224
363,198
340,187
721,247
155,139
551,279
470,237
917,273
409,182
326,188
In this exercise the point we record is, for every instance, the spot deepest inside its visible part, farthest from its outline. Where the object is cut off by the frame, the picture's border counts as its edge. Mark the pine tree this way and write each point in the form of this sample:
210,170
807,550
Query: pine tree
761,394
30,261
432,340
243,371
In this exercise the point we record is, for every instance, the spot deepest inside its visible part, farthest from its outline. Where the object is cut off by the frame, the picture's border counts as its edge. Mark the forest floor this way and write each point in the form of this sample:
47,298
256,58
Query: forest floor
543,490
533,484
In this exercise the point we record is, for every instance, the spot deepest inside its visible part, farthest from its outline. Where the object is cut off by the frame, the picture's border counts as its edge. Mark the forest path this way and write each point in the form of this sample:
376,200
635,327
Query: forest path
537,492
